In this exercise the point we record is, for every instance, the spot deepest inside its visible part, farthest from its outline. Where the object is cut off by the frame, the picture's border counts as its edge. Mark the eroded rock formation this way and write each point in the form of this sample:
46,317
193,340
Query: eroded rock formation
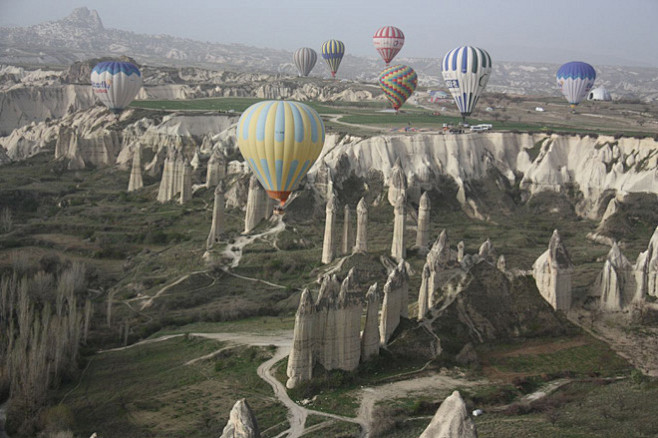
616,281
397,185
241,422
398,244
348,238
166,189
395,289
301,361
361,244
646,270
217,227
329,241
370,336
328,333
451,420
423,231
216,169
552,272
257,204
186,183
136,182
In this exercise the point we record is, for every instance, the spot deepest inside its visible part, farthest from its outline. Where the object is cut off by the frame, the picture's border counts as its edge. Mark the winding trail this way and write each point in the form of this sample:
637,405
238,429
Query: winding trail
233,251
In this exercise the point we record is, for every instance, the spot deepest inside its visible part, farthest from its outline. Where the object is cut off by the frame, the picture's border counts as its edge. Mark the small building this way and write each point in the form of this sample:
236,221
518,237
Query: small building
539,109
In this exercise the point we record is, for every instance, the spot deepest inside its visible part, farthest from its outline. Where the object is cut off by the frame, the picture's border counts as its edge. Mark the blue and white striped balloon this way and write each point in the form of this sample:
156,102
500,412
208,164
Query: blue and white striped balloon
466,71
575,79
116,83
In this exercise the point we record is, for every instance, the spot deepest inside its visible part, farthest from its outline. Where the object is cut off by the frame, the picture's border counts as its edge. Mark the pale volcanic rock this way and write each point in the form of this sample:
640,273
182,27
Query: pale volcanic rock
136,182
616,281
348,237
394,289
300,361
329,241
487,251
425,292
437,260
460,251
165,191
195,162
241,423
398,243
370,335
325,322
646,270
451,420
348,323
552,272
423,230
186,183
361,244
562,160
216,169
256,205
23,105
28,140
397,185
217,226
610,210
327,333
403,277
501,264
179,163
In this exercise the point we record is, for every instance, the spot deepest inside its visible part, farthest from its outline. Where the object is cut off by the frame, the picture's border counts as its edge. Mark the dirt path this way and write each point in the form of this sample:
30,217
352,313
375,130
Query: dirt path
149,301
405,388
233,251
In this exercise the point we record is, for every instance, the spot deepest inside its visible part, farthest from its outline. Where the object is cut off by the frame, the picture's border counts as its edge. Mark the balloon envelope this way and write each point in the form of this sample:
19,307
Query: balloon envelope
575,79
305,59
388,41
466,71
398,83
280,140
332,52
116,83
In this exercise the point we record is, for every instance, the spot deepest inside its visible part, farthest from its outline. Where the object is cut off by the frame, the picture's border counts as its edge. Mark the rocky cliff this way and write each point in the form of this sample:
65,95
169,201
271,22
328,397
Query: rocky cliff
592,165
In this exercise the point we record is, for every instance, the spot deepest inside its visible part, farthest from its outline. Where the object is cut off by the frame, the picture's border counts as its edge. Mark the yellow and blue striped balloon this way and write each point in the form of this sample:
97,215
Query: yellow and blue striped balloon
280,141
332,52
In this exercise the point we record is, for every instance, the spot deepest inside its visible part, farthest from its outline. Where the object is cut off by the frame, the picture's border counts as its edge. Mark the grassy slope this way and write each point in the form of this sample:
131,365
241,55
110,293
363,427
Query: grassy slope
149,391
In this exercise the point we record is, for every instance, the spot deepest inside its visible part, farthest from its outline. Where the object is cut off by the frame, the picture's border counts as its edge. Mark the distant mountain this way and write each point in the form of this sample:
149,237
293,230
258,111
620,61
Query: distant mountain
82,35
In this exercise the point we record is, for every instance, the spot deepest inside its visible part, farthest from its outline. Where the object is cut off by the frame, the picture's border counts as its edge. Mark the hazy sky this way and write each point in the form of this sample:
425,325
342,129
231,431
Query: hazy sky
598,31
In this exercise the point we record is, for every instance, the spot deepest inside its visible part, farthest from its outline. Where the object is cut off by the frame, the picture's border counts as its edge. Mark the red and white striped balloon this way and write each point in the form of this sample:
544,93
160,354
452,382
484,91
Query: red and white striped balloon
388,41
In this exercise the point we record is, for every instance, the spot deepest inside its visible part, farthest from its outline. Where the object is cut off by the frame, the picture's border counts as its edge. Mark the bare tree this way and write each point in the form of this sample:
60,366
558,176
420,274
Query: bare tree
6,220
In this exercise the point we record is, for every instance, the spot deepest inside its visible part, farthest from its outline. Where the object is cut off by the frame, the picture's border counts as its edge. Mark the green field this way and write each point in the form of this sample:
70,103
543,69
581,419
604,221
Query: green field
154,392
369,113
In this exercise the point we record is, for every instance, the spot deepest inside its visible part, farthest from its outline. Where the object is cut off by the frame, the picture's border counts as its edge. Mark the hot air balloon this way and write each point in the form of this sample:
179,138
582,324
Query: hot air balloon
280,140
116,83
388,41
332,52
305,59
575,79
466,71
398,83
